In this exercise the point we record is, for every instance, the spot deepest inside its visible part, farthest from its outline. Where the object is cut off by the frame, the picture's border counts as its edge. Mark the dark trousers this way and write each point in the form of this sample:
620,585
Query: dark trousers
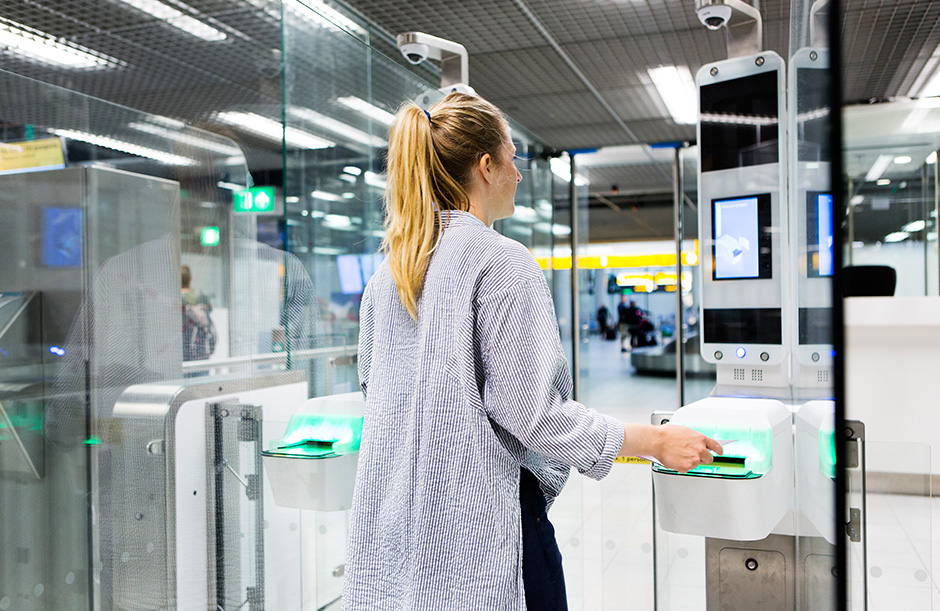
541,561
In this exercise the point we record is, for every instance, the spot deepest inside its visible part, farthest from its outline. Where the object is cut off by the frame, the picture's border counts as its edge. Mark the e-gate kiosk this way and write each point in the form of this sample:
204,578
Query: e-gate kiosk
766,507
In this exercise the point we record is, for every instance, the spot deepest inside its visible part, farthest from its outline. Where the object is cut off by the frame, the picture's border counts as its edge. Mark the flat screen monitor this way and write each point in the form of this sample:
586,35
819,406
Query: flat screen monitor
350,274
355,271
61,243
819,240
740,122
741,247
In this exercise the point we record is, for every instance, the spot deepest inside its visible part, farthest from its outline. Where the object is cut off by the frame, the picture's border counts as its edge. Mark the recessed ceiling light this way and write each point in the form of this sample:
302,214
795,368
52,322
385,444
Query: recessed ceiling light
677,90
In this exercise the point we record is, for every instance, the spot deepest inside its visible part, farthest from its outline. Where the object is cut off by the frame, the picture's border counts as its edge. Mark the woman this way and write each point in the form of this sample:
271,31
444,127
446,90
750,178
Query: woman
467,389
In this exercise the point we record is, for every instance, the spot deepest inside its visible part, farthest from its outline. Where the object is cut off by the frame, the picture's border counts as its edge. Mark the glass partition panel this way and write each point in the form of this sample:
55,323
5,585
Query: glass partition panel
117,300
890,164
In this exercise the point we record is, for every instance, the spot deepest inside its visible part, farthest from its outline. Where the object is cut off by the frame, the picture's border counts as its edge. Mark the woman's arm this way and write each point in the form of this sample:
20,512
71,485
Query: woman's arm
676,447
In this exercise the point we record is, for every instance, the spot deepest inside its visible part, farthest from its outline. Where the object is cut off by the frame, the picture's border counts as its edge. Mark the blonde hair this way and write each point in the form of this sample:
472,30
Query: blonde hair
430,158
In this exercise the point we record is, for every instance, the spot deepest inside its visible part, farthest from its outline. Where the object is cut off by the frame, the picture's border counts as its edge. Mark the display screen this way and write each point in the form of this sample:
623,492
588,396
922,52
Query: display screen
819,255
815,326
741,247
812,114
740,122
743,326
355,271
61,237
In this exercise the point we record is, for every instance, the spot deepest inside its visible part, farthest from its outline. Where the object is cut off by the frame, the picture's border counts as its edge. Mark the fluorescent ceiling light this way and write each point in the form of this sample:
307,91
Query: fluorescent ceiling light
348,178
927,83
553,228
882,182
561,168
337,221
41,47
931,158
292,199
351,169
348,195
914,226
337,127
319,13
273,130
177,19
677,90
324,195
184,138
902,159
327,250
370,110
710,117
525,214
231,186
897,236
124,147
857,199
878,168
376,180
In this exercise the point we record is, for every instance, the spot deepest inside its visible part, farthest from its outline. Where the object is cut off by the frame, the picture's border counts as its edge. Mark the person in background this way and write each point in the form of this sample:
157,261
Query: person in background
602,323
199,333
470,429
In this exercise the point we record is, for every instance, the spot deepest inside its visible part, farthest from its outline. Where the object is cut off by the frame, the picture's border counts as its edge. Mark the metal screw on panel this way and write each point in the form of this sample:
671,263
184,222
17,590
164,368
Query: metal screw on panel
713,71
815,357
750,564
813,55
138,516
764,356
718,354
849,433
759,61
224,413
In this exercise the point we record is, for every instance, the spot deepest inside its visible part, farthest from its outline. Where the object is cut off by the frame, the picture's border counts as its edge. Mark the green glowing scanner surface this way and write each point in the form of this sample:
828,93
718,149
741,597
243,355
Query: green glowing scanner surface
318,436
748,451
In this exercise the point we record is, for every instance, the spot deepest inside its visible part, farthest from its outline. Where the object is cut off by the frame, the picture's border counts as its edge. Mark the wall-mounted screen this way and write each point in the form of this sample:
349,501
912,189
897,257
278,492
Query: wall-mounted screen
61,243
741,247
819,255
355,271
740,122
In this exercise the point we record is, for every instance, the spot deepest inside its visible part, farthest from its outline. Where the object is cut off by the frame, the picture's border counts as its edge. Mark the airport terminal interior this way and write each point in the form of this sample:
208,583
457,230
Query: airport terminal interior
734,204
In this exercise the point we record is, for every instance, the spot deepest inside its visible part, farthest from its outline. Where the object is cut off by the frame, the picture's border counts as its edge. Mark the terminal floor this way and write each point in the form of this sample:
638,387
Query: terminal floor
605,529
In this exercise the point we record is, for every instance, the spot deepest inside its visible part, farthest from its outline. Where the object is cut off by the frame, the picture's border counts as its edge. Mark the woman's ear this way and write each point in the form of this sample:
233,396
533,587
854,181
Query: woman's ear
485,166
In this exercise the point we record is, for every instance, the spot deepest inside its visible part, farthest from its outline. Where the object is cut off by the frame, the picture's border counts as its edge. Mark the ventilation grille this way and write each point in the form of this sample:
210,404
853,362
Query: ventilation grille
822,376
739,374
757,375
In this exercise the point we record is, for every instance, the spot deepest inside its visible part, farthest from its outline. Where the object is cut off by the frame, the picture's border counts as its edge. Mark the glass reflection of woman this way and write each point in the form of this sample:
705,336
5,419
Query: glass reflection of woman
470,428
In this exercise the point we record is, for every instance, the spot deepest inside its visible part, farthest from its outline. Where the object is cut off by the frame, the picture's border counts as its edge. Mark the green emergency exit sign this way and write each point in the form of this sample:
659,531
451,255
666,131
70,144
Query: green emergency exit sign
255,199
210,236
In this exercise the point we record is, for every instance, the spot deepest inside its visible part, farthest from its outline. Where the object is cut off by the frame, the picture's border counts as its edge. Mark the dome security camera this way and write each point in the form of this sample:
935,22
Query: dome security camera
714,16
415,52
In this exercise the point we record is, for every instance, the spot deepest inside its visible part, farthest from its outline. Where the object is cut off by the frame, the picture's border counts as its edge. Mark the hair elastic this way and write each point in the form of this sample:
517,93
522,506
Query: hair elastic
428,115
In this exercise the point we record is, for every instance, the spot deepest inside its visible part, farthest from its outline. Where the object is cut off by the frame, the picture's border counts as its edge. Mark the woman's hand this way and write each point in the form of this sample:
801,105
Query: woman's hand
676,447
683,449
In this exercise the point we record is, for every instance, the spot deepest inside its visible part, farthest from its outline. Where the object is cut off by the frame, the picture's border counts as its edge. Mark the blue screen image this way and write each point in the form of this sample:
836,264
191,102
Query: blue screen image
355,271
737,246
61,237
824,233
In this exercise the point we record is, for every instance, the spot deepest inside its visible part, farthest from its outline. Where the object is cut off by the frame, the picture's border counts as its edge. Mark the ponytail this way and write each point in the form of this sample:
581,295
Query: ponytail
429,160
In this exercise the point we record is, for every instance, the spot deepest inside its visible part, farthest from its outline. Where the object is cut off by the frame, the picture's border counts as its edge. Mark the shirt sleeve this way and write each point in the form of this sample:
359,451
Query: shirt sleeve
527,386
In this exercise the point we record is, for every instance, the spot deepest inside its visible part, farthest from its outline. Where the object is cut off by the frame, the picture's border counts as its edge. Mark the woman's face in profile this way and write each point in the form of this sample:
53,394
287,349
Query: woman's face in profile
508,177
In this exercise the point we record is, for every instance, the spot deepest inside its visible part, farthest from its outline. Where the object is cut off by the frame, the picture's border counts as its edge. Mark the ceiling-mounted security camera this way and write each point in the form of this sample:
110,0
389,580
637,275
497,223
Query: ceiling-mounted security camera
455,72
714,16
745,29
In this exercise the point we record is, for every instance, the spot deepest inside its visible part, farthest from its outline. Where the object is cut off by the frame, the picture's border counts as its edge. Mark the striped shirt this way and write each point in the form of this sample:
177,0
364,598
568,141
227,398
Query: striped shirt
455,403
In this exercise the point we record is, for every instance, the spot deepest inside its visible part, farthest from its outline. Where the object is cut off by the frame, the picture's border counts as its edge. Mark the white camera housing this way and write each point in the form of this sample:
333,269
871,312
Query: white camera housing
417,47
714,16
415,52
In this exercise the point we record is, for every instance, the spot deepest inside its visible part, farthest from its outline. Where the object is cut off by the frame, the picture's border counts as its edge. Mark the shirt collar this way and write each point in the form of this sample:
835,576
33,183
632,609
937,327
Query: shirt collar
458,218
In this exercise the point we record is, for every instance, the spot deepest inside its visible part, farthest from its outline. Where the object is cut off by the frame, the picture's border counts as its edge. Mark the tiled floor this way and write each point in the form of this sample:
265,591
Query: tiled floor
605,529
